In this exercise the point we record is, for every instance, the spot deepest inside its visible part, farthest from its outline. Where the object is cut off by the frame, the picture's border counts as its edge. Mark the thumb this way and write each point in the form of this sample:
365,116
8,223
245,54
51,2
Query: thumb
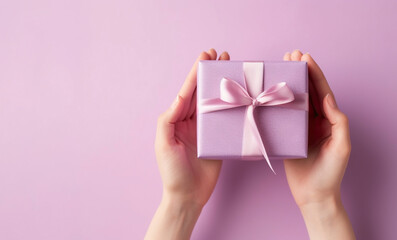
166,121
340,124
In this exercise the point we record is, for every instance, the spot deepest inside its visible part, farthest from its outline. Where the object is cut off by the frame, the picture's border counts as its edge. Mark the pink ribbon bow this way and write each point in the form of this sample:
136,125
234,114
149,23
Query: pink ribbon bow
233,95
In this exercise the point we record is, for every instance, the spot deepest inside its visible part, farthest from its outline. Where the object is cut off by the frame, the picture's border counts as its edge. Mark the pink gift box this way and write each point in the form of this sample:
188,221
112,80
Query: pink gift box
225,132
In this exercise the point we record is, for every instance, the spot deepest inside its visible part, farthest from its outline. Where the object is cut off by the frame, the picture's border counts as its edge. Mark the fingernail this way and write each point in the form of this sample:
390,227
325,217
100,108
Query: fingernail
331,101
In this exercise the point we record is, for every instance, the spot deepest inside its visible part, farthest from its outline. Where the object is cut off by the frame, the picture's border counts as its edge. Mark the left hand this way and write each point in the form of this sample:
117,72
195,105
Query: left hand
185,177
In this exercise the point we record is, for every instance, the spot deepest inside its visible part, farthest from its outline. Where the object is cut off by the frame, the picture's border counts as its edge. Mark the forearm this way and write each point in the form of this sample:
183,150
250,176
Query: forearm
327,220
174,219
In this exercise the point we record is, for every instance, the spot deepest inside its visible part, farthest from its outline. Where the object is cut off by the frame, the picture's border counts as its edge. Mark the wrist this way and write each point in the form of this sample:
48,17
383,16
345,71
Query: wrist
175,219
181,208
322,209
182,200
327,219
326,198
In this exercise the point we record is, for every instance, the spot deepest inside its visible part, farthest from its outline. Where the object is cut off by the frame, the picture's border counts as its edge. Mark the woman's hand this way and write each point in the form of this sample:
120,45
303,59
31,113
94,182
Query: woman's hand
188,182
315,181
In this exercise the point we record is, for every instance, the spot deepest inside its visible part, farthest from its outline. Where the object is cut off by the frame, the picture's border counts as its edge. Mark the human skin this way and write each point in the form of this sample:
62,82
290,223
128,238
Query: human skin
188,182
315,181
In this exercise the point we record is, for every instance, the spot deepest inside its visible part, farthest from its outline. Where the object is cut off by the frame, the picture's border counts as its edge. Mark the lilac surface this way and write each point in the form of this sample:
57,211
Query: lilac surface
82,83
284,131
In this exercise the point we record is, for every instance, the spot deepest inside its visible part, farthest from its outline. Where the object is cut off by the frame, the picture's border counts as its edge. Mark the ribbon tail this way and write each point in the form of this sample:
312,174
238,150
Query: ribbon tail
255,131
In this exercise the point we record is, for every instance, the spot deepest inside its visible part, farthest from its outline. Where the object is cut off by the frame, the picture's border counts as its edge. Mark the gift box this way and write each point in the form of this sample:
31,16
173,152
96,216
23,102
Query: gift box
252,110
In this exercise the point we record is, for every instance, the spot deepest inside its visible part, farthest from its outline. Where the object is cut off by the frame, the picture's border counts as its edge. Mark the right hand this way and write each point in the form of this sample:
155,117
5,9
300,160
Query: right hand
315,181
318,177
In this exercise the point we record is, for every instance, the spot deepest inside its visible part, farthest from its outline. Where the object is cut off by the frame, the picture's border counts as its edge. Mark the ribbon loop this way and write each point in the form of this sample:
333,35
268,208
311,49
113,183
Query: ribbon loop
276,95
234,93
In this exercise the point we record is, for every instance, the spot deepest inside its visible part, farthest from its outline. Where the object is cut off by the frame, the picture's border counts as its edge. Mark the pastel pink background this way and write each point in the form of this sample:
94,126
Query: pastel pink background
82,84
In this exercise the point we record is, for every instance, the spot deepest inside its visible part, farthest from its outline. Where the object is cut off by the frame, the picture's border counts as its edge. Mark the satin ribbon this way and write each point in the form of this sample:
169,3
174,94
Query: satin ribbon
233,95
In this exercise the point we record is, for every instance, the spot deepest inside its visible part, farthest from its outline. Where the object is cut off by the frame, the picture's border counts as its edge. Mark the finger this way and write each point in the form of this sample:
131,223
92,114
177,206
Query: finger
312,111
224,56
315,102
340,137
166,121
318,80
190,84
296,55
193,104
313,97
212,53
287,56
